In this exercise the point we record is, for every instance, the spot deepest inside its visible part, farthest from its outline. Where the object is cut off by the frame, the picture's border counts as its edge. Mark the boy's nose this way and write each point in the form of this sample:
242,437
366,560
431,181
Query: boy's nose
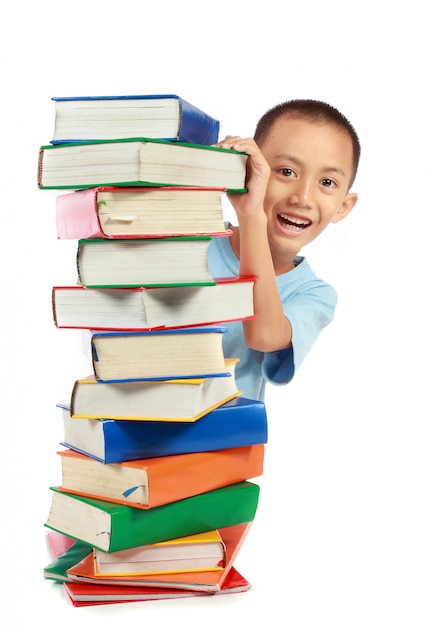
301,194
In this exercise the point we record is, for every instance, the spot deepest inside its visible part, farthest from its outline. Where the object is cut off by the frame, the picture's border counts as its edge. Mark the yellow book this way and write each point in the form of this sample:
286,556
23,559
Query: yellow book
174,400
192,553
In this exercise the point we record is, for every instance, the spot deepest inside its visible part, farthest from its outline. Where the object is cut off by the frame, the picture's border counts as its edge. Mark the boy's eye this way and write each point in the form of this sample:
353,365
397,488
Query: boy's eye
327,182
287,171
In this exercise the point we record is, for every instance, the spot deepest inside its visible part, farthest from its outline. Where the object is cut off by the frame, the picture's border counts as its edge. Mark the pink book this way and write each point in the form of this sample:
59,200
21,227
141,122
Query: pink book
139,212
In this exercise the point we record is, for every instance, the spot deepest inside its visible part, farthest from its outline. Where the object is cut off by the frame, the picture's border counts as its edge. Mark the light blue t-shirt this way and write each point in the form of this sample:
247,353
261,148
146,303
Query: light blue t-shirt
308,303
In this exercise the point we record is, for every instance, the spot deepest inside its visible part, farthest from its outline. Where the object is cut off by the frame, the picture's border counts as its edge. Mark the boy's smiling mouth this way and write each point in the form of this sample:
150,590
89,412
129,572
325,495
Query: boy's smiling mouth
292,223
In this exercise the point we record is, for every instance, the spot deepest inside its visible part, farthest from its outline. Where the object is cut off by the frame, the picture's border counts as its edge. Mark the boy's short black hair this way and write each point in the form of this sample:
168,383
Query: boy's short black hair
315,111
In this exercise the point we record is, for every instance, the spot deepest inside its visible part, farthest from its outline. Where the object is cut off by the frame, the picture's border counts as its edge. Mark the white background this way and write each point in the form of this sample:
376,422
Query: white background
343,530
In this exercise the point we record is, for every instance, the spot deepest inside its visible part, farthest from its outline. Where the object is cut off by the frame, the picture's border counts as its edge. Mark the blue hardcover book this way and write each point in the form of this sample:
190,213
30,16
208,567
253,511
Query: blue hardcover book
157,116
190,352
239,422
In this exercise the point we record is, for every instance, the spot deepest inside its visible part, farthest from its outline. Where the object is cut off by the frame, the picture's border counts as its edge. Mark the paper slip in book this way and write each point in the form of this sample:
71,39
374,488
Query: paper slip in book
172,261
147,483
174,400
142,308
140,161
194,352
239,422
116,212
111,527
161,116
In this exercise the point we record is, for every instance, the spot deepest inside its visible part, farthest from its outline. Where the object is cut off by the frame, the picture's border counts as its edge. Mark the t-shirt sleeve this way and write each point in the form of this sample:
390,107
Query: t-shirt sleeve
309,313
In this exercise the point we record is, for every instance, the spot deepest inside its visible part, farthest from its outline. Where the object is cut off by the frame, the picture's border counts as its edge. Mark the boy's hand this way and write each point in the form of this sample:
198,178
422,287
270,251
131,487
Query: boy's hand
257,176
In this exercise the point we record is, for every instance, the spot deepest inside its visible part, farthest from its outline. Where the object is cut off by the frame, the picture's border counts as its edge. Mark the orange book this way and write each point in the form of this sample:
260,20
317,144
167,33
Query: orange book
211,581
149,483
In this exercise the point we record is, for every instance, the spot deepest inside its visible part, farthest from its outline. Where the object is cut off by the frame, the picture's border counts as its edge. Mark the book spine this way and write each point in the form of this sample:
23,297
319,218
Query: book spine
219,508
77,215
232,425
201,472
196,126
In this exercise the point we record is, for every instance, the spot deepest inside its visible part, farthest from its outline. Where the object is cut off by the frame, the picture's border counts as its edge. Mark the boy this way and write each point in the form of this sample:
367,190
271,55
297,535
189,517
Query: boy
302,162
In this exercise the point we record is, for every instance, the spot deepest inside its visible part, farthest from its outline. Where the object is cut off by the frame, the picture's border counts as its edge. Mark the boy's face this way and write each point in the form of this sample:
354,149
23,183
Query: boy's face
311,169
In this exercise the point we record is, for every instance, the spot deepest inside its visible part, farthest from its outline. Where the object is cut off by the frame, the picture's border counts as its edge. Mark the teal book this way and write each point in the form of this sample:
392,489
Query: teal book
111,527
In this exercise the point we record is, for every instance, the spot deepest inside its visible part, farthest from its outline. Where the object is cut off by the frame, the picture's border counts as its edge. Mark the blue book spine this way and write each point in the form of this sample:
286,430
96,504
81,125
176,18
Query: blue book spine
193,120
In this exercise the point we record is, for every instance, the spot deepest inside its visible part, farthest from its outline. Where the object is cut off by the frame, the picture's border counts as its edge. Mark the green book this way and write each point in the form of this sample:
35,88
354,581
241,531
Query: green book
111,527
140,161
147,262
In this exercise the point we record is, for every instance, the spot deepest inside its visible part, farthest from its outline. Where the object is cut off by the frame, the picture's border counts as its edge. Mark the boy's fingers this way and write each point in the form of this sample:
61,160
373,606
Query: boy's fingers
232,141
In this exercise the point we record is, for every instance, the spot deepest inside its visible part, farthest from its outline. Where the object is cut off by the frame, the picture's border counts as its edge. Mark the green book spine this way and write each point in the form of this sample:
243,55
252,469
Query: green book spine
132,527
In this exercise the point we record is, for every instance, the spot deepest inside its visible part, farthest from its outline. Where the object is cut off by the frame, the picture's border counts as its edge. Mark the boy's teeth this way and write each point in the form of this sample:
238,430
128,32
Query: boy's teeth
295,221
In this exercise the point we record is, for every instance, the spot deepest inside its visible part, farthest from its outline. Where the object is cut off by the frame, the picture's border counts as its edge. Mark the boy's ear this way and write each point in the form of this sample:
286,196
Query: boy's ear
346,208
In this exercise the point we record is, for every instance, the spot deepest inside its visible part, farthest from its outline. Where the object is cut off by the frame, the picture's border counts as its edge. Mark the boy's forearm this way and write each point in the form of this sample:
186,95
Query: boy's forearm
270,330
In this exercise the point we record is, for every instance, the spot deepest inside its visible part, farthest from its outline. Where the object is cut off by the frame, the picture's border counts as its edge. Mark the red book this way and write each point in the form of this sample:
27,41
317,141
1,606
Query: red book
82,594
146,308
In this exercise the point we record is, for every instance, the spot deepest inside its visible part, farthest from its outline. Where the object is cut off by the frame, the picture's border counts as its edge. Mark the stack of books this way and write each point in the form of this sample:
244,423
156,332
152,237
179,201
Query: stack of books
160,447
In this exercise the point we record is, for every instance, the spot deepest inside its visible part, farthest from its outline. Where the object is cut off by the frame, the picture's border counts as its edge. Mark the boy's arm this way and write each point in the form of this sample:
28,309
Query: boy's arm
270,330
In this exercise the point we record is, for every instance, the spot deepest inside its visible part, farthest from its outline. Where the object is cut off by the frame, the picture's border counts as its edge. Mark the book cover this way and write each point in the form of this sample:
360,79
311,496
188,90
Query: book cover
57,543
233,538
239,422
148,483
142,308
110,527
122,212
67,552
162,116
194,352
140,161
154,262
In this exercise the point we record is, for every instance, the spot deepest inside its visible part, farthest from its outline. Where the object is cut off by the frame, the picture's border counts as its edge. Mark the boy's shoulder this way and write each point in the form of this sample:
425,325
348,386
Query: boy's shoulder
302,279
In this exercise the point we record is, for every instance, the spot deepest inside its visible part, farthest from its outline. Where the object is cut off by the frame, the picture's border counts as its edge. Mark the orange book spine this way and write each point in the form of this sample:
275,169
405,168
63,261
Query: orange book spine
209,470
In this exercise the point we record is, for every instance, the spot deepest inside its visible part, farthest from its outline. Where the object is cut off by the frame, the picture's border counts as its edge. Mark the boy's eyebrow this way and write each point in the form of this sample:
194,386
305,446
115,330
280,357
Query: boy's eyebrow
329,169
